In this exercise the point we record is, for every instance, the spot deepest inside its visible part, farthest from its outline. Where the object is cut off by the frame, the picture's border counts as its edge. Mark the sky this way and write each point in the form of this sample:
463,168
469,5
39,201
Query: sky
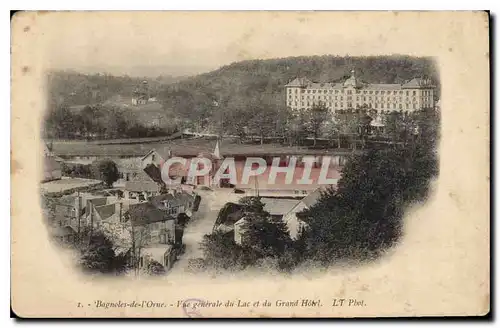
186,43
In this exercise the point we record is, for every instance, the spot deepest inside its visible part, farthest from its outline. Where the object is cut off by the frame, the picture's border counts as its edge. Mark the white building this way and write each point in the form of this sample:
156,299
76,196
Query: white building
418,93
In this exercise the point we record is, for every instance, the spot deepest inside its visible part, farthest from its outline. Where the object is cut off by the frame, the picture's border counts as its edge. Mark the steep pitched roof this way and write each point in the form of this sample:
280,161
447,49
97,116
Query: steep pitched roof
138,186
177,199
382,86
105,211
298,82
313,197
278,206
418,82
146,213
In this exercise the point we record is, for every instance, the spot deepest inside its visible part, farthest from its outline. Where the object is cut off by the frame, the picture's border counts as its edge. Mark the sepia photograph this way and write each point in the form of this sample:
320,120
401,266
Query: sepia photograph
171,150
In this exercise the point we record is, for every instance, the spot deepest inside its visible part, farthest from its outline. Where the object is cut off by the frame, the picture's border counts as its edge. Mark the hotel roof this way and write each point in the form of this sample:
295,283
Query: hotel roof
414,83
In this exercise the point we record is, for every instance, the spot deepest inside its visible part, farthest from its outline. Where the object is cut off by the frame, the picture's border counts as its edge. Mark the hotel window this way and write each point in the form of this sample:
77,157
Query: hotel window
349,105
341,98
370,98
314,91
407,106
357,98
414,92
303,91
331,91
400,92
414,106
365,92
336,91
371,92
376,105
382,105
308,91
364,98
324,91
376,92
400,106
382,92
335,104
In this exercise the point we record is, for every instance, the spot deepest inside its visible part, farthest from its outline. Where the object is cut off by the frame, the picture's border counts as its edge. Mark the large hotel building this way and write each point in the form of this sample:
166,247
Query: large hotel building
413,95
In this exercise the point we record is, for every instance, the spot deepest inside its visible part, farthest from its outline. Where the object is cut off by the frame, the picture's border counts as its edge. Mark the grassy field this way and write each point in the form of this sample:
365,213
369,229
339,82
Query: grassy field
182,147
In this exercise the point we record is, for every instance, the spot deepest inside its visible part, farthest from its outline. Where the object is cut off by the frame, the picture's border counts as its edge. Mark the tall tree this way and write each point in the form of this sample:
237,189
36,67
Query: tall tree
98,255
317,118
106,170
266,236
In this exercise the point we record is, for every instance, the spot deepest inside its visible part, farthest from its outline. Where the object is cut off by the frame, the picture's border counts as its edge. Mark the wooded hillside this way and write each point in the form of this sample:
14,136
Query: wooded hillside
242,87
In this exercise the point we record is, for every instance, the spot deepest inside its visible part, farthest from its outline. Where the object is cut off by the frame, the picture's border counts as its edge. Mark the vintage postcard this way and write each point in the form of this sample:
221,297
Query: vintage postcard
250,164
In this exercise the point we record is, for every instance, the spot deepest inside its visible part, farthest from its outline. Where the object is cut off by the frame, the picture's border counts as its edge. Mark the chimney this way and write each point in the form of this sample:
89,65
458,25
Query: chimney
118,208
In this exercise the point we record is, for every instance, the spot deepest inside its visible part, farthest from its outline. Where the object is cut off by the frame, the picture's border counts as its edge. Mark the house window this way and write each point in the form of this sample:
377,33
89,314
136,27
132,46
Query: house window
163,238
153,157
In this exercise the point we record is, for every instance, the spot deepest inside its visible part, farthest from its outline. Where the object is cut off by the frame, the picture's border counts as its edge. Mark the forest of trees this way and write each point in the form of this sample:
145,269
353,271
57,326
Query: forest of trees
77,89
245,99
248,96
358,221
98,122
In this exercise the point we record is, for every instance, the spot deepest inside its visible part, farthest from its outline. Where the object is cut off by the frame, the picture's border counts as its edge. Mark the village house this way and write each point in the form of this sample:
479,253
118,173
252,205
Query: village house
155,233
232,219
278,208
141,190
175,202
261,185
151,229
292,218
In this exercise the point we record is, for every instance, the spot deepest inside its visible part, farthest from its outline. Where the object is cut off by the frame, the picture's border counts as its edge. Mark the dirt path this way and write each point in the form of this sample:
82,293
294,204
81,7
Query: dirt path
201,224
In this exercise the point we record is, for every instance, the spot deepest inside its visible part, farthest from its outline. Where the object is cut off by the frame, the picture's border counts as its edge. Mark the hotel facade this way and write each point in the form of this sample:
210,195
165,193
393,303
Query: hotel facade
416,94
